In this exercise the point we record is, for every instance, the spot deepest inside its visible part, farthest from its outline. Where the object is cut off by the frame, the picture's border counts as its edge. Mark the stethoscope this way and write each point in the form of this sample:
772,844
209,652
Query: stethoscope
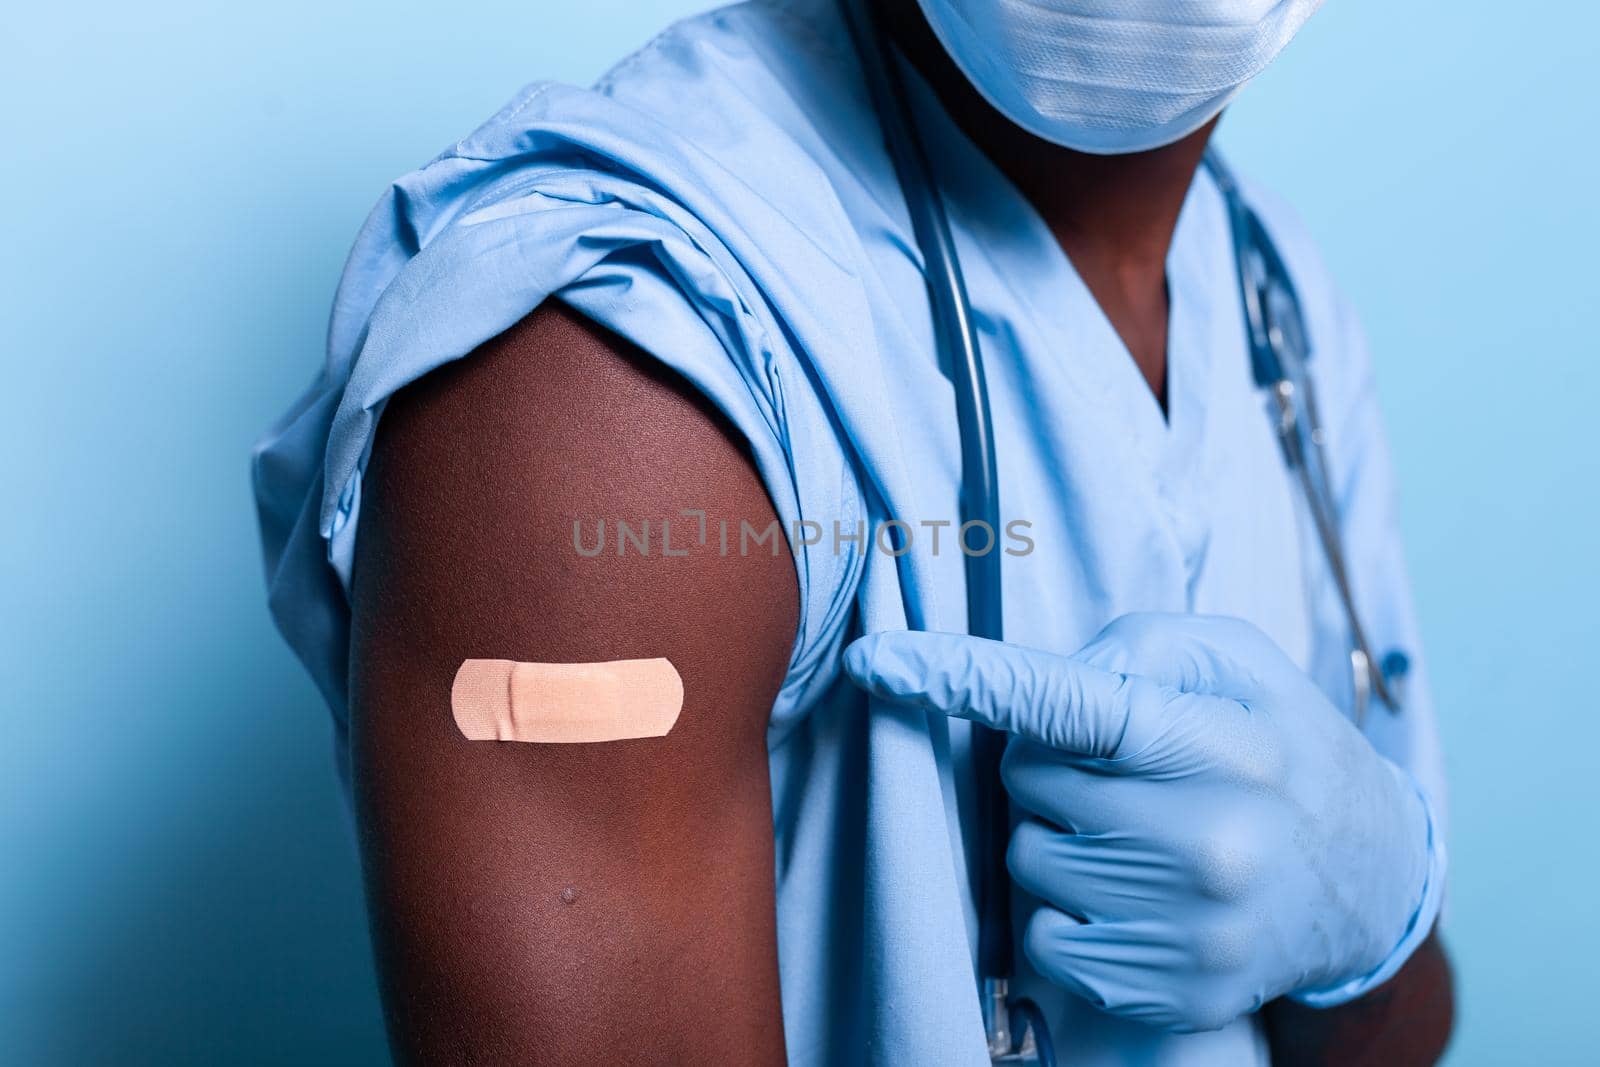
1279,348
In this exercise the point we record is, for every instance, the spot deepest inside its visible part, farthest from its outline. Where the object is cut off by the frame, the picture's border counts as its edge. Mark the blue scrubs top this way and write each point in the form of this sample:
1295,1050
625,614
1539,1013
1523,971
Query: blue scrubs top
722,199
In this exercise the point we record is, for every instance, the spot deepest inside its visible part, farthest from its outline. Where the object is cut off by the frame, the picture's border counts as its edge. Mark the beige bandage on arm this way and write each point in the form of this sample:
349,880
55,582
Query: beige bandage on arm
503,700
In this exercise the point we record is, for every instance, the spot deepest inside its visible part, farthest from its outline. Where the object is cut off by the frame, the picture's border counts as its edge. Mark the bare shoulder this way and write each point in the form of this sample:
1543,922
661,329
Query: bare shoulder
481,471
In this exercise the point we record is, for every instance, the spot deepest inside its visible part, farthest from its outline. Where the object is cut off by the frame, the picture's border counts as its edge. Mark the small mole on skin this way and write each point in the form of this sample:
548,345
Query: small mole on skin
569,895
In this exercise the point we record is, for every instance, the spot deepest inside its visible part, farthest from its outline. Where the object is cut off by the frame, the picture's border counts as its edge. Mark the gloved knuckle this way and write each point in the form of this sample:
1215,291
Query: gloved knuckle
1140,636
1026,852
1042,946
1243,631
1131,623
1130,627
1204,1011
1229,863
1015,767
1223,947
1256,758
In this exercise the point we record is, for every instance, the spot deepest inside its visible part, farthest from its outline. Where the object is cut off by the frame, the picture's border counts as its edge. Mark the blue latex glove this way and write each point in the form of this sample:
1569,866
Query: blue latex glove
1211,833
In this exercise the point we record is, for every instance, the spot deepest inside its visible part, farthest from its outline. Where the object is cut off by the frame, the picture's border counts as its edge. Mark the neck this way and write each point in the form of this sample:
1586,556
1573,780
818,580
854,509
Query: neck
1113,216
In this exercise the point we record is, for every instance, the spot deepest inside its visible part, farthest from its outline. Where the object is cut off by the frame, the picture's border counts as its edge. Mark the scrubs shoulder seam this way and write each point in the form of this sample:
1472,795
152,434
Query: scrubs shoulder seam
509,113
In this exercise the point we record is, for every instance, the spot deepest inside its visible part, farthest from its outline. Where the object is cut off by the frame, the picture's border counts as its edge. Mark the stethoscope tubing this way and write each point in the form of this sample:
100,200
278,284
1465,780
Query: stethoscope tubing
1271,338
956,335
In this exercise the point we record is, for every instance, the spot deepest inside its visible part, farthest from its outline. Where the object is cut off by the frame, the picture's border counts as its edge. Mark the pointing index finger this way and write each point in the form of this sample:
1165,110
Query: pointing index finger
1053,700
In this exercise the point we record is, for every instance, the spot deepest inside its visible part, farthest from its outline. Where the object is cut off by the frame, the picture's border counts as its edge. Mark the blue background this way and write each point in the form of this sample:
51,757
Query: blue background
181,182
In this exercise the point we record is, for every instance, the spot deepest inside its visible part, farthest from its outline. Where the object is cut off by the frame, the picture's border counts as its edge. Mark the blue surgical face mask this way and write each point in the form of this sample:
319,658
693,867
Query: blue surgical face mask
1111,76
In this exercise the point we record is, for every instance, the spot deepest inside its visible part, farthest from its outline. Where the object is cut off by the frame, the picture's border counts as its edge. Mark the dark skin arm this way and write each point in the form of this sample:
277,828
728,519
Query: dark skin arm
543,903
1405,1021
1114,217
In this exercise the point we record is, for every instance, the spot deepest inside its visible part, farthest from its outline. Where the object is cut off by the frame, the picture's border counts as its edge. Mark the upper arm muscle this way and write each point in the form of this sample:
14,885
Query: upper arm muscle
563,902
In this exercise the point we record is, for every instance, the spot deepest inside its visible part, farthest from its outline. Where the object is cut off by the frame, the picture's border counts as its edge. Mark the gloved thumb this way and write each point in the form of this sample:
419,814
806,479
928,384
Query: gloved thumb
1050,699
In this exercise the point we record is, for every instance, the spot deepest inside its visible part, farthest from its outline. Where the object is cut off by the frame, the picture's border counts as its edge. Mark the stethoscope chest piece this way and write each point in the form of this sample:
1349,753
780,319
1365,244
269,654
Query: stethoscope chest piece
1015,1028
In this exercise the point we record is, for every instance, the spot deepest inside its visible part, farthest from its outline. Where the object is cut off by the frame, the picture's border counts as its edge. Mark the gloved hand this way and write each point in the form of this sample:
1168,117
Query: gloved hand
1211,833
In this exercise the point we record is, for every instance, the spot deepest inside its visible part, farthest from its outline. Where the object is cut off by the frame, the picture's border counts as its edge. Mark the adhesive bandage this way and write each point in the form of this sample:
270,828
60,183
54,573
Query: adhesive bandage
556,703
